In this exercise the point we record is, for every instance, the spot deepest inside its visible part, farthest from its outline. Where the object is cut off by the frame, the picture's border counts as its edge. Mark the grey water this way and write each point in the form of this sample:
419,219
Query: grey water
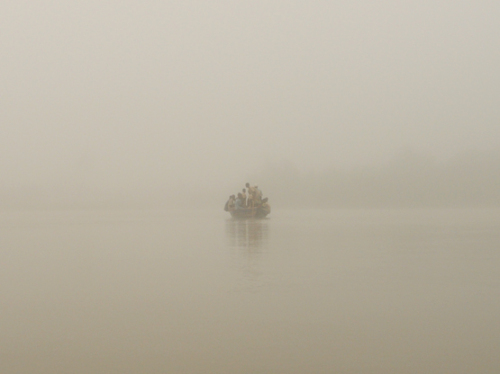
303,291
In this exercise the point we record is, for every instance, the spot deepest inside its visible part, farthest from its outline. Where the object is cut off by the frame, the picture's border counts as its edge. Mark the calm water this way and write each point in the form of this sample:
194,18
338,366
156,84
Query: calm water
341,291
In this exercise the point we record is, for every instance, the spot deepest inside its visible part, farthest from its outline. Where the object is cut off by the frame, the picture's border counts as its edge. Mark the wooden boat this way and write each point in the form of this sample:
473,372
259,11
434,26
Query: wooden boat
257,212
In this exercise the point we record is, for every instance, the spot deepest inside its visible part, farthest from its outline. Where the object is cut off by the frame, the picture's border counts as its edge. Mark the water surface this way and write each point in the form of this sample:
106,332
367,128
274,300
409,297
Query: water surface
304,291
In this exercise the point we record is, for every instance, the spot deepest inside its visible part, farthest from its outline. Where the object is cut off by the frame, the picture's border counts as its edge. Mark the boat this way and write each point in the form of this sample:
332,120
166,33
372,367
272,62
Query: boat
260,211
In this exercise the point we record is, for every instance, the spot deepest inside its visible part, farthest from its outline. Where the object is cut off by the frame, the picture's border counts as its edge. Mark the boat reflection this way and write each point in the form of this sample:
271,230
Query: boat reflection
247,233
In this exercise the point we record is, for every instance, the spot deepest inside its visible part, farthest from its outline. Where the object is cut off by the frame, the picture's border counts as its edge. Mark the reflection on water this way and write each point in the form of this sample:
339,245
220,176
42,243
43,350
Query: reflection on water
319,291
248,238
247,233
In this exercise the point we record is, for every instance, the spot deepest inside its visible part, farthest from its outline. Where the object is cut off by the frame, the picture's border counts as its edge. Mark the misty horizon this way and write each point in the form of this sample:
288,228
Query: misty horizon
410,179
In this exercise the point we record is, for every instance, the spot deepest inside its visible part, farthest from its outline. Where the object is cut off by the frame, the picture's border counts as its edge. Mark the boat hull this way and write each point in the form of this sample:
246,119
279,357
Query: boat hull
249,213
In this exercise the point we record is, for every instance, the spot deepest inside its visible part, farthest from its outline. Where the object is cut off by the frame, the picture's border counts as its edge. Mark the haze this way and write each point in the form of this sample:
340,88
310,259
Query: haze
126,100
373,127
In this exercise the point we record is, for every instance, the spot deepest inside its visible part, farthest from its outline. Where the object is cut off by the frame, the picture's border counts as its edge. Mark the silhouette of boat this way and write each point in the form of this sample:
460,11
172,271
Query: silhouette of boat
257,212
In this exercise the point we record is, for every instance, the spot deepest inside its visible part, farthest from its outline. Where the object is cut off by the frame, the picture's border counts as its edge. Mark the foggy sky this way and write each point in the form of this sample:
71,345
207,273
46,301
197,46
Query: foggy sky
127,95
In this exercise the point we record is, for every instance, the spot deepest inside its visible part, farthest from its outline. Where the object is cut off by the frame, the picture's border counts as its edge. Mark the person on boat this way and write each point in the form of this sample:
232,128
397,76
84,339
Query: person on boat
244,197
251,195
232,199
265,206
229,204
239,202
258,195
